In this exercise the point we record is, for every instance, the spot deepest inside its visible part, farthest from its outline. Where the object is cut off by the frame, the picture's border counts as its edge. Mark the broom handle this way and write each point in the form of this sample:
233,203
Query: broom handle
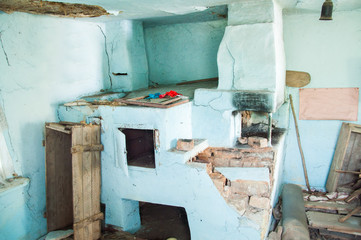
299,145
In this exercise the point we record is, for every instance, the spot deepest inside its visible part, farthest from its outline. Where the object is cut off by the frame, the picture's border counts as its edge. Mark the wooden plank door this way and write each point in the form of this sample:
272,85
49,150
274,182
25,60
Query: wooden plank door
86,149
59,196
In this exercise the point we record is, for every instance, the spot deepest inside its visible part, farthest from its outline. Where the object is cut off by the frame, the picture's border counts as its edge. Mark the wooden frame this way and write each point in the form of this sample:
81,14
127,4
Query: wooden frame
73,179
157,103
347,156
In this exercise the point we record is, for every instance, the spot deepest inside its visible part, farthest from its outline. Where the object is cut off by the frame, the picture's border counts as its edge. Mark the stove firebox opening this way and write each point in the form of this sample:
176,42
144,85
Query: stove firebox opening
139,147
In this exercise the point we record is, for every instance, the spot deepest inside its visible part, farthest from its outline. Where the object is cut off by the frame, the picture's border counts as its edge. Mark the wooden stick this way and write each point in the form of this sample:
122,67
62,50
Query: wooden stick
299,145
352,172
356,210
198,81
354,195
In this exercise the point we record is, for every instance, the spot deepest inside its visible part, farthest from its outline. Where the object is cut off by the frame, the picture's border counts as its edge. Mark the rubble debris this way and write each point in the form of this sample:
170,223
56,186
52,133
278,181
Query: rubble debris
59,9
243,140
257,142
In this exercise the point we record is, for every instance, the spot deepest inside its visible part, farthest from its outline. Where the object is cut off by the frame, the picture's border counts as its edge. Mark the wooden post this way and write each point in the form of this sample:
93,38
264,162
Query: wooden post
299,145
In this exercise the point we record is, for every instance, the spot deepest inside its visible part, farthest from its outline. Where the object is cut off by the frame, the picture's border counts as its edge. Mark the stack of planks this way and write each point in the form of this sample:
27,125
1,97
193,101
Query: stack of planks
341,218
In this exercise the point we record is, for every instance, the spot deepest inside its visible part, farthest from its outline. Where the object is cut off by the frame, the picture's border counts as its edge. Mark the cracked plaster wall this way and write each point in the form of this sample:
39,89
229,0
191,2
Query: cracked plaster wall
183,52
51,61
331,52
125,53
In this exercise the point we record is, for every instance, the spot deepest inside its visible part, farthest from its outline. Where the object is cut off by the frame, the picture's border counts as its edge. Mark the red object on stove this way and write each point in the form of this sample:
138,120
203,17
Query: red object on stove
171,93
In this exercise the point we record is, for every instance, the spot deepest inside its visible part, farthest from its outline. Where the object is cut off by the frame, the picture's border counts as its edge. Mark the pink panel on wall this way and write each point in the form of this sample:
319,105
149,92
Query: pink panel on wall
329,104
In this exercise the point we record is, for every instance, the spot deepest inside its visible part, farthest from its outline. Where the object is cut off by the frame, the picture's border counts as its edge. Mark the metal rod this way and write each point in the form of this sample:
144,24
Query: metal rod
299,145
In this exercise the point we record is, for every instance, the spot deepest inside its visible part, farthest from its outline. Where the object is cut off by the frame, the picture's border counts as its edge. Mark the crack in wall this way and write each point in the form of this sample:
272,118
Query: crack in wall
234,62
58,114
107,54
2,46
12,149
208,104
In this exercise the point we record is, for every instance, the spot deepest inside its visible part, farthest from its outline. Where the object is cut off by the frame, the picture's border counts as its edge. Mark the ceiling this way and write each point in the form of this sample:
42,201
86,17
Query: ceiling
141,9
155,12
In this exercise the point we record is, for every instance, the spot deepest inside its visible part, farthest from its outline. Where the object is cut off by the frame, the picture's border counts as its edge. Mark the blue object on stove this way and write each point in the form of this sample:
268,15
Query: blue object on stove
153,96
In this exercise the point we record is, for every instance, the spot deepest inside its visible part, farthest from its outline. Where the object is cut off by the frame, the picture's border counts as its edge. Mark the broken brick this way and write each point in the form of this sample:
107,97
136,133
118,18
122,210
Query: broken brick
250,187
236,163
219,180
240,203
243,140
259,202
257,142
221,162
209,168
185,144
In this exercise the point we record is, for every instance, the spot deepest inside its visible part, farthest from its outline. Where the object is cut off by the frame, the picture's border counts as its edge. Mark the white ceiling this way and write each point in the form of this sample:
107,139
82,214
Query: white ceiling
141,9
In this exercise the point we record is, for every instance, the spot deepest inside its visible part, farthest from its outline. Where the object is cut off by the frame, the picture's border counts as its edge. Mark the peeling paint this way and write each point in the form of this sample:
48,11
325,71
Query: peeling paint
52,8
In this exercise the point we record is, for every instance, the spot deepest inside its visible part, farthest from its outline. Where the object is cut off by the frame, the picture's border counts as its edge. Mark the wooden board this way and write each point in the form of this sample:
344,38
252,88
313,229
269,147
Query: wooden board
86,182
157,103
59,206
77,169
329,104
347,156
330,222
297,79
330,206
96,182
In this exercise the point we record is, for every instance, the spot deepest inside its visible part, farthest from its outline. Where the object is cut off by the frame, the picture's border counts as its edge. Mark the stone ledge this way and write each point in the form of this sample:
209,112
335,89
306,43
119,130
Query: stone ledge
16,183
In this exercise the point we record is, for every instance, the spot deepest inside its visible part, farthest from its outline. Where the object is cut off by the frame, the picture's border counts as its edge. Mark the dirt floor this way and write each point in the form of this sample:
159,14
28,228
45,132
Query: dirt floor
159,222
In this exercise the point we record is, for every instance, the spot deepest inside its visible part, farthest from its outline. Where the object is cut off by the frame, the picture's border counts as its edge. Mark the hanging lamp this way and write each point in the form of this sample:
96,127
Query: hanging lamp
326,12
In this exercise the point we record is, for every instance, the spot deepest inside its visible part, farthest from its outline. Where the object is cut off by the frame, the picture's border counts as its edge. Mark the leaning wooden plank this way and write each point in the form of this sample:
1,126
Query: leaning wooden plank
330,222
330,205
340,152
353,196
87,181
96,181
77,159
354,211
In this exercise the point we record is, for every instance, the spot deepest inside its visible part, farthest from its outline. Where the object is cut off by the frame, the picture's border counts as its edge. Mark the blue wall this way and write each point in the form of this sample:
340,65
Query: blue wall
183,52
331,52
51,60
